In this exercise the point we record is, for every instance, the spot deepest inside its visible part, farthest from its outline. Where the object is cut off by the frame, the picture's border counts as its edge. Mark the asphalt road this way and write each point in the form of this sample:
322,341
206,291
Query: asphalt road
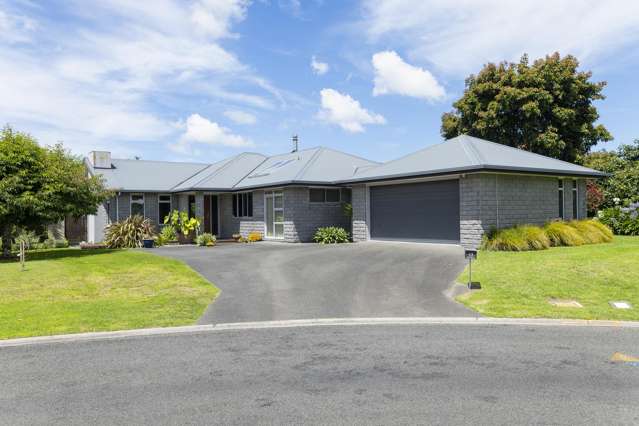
384,374
279,281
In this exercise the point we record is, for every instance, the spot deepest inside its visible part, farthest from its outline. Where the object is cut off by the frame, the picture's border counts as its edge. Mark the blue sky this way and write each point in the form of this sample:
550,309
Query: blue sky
204,79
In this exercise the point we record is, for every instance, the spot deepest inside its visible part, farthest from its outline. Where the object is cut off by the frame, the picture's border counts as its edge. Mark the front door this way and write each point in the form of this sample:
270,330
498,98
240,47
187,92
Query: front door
274,205
211,217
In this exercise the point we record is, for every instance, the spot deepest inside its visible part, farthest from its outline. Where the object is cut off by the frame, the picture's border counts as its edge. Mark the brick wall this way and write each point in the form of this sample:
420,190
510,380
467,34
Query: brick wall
359,220
230,225
302,218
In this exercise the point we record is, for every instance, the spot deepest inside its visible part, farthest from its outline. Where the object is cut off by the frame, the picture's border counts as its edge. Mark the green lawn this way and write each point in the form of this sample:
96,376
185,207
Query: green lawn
73,291
521,284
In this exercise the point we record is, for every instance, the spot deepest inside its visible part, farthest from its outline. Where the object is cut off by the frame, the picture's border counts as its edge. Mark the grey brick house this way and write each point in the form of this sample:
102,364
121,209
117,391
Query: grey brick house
452,192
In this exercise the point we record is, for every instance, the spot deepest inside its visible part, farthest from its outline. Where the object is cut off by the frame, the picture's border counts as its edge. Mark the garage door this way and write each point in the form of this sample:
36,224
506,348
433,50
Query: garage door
416,212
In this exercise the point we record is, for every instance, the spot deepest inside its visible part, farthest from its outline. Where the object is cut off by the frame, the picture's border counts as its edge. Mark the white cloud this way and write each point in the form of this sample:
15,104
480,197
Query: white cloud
15,28
240,117
346,112
319,68
394,76
214,17
458,36
200,130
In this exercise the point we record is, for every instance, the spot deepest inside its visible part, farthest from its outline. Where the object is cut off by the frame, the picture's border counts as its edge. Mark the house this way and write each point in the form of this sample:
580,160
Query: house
452,192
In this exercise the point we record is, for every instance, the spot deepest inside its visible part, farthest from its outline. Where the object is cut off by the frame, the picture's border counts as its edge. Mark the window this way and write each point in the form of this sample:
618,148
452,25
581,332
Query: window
347,195
324,195
191,205
561,198
137,204
243,204
575,204
164,207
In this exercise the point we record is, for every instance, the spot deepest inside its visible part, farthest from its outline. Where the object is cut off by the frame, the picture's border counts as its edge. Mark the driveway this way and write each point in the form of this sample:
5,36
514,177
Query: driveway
278,281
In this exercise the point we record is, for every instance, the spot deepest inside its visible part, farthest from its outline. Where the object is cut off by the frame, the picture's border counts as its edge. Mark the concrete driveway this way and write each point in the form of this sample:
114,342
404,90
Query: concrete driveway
278,281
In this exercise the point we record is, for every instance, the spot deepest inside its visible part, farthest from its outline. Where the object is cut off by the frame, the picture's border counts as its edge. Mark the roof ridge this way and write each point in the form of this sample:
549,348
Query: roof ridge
190,176
309,162
264,160
359,157
471,151
160,161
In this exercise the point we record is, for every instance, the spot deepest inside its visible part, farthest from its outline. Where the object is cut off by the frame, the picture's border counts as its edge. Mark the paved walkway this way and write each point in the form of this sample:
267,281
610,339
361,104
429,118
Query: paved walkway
278,281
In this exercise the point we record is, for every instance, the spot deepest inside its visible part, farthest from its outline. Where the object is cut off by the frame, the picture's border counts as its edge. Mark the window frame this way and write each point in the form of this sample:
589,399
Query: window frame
191,212
242,204
132,201
575,199
562,204
324,198
160,202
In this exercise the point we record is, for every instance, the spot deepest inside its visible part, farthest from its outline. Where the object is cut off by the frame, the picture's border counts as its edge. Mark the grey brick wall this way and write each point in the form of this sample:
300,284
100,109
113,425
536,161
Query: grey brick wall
230,225
359,220
302,218
501,201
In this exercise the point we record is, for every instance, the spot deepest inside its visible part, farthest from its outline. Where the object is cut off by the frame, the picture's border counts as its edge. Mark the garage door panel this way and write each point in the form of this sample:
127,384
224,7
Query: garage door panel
423,211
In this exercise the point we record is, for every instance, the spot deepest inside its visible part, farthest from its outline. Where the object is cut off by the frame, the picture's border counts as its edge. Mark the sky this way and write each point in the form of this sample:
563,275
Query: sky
202,80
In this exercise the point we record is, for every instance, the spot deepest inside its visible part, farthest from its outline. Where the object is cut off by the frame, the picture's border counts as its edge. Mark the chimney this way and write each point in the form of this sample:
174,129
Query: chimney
295,143
100,159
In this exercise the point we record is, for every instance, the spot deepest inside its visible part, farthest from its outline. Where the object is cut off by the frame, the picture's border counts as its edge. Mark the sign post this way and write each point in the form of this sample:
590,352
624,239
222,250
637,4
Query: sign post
471,255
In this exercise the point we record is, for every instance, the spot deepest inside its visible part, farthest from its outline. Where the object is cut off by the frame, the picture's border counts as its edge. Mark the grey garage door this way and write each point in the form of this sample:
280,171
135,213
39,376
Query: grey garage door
416,212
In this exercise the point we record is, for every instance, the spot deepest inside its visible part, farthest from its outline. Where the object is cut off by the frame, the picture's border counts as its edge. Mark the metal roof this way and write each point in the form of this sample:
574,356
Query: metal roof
324,166
466,153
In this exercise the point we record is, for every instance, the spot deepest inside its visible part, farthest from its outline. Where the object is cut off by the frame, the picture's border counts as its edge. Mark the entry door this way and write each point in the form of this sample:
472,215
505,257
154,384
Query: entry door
274,205
215,218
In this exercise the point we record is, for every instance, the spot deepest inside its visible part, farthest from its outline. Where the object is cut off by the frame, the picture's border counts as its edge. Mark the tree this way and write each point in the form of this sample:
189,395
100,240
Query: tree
545,108
41,185
623,167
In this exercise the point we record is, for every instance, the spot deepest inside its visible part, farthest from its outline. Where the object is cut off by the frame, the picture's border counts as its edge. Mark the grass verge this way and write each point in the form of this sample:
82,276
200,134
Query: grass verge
73,291
520,284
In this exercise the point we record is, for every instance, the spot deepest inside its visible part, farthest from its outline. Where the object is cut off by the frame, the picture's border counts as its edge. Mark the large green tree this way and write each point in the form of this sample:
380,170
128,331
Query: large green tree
546,107
623,167
41,185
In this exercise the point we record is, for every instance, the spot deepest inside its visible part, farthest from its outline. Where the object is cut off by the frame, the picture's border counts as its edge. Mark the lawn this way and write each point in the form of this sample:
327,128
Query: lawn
520,284
73,291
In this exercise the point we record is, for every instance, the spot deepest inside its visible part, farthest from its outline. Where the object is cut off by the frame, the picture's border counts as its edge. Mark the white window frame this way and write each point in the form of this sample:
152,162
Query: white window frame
325,188
131,202
562,212
272,194
160,218
235,200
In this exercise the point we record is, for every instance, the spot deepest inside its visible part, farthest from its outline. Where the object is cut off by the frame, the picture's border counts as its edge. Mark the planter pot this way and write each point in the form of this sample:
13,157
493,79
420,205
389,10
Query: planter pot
185,240
148,243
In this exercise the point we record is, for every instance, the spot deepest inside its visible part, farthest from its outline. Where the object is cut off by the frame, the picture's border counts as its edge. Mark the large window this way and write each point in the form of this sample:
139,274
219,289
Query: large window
324,195
191,205
137,204
575,203
243,204
164,207
561,198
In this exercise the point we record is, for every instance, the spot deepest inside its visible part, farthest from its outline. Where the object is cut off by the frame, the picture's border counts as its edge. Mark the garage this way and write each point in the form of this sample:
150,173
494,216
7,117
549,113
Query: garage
427,212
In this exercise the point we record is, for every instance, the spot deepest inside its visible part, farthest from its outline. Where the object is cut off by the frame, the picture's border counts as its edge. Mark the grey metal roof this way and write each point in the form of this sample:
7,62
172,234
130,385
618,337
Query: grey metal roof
223,175
146,176
324,166
309,166
466,153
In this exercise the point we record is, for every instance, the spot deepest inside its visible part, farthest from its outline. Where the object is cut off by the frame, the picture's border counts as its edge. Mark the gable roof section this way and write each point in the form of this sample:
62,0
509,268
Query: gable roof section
146,176
466,153
223,175
310,166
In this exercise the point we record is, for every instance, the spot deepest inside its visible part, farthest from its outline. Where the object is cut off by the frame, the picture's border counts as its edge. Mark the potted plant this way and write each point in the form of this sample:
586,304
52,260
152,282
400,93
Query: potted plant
186,226
237,237
148,241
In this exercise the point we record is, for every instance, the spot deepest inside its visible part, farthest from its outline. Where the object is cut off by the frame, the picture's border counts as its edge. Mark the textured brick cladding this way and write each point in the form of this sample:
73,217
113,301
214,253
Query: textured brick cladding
359,220
302,218
230,225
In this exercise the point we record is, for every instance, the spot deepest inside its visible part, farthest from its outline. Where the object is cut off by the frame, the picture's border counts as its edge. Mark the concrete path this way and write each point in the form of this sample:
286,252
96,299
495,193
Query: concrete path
355,374
278,281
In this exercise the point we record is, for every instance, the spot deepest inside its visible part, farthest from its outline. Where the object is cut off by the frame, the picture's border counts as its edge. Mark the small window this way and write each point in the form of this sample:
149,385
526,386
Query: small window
575,204
243,204
323,195
164,207
561,198
347,195
191,205
137,204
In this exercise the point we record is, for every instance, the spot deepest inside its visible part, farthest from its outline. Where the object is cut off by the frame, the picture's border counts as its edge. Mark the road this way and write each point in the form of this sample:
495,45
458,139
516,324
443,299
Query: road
356,374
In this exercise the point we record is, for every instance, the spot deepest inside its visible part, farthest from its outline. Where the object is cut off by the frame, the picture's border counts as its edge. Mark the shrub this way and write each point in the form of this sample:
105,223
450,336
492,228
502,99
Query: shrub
254,236
508,239
206,240
92,246
562,234
30,239
128,233
182,222
621,221
331,235
591,233
168,233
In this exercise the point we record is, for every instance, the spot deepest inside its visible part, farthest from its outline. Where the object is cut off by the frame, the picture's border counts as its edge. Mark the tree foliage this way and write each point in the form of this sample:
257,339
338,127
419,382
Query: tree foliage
41,185
546,107
623,167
